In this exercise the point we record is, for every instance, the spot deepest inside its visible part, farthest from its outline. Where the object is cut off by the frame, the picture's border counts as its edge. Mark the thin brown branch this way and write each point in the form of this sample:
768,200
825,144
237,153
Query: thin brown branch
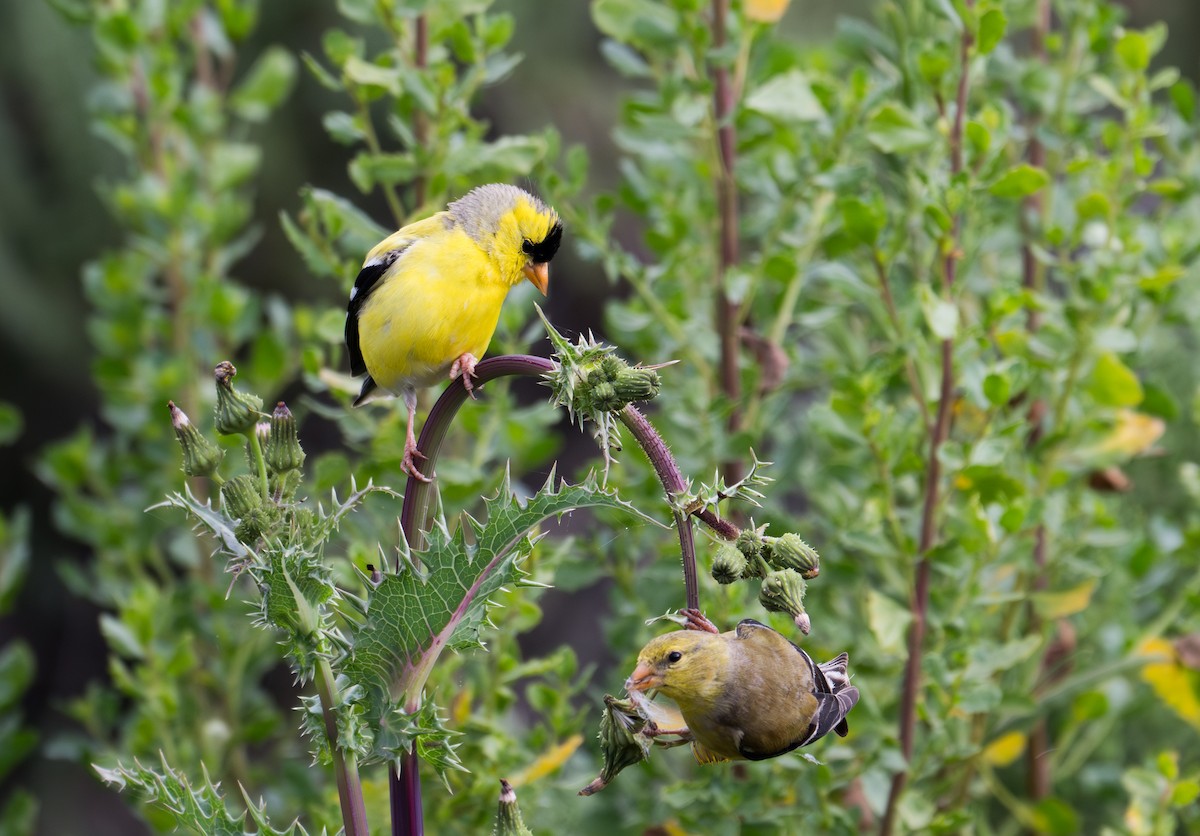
726,313
941,431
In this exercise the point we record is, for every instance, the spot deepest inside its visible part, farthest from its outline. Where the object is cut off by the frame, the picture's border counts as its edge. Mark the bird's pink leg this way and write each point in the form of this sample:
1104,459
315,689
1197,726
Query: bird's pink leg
697,621
465,366
408,463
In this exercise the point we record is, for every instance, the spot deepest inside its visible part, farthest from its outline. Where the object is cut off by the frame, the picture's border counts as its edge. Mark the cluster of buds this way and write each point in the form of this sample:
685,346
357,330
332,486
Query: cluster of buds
592,382
611,384
274,440
242,500
783,564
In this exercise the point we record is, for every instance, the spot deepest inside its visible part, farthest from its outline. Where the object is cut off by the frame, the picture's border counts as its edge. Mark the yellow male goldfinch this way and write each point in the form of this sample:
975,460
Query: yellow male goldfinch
428,297
749,694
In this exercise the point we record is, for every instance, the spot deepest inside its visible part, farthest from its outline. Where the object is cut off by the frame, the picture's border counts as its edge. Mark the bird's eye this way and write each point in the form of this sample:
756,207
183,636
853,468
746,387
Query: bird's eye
674,656
527,246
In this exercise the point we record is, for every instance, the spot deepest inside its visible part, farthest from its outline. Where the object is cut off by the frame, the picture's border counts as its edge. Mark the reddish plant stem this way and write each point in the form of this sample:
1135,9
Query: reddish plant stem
1038,778
726,311
673,483
919,604
404,793
404,785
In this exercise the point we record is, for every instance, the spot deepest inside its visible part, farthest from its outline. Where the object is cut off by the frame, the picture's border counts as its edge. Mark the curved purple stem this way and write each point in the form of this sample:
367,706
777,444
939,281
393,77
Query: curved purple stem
405,785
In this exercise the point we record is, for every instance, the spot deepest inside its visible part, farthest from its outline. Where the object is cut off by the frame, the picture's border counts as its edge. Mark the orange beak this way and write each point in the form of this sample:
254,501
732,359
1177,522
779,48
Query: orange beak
538,275
643,678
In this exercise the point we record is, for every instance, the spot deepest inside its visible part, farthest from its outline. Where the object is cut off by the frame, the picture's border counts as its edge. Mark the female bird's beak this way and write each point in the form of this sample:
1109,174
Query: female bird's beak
643,678
538,274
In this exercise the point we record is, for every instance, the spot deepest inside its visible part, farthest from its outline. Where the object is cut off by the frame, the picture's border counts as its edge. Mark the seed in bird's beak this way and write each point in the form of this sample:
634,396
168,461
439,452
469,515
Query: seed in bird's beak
538,274
643,678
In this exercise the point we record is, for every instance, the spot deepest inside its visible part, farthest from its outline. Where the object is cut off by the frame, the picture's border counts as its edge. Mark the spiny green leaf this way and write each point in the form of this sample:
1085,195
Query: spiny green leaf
440,600
200,809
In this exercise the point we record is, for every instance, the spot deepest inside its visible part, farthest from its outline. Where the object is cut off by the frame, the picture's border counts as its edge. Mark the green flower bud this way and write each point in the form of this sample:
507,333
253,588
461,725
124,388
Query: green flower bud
621,743
610,384
508,819
729,564
242,501
783,591
636,384
200,456
750,544
611,366
240,496
790,552
282,449
237,412
604,397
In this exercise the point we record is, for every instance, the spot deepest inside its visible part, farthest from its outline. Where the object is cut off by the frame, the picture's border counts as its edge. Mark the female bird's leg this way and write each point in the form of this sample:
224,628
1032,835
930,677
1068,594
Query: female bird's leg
407,464
684,734
465,366
697,621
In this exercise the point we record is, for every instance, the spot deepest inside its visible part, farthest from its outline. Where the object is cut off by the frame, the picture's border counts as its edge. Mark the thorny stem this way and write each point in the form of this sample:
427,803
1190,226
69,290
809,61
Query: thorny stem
404,793
726,310
673,483
345,765
405,785
941,430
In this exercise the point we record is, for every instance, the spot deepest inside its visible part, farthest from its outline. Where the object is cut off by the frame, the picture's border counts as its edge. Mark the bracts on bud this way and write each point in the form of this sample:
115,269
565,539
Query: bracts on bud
236,412
783,591
200,456
282,450
508,818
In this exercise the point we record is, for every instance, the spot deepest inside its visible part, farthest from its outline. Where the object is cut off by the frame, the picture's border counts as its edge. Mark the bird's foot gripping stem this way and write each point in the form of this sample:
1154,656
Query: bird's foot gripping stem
464,367
695,620
408,463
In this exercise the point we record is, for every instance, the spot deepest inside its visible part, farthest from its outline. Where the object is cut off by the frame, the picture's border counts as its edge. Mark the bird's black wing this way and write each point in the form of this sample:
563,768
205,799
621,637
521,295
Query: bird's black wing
367,281
835,697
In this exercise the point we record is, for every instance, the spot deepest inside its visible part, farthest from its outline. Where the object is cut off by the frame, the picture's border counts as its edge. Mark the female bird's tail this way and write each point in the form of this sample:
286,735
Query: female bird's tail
835,697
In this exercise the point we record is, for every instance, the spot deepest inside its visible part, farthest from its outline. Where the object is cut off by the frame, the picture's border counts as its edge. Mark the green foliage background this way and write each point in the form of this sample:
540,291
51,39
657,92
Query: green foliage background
246,154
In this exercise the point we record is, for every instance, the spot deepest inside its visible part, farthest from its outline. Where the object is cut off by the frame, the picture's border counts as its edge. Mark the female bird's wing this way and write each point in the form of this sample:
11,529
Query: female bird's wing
831,698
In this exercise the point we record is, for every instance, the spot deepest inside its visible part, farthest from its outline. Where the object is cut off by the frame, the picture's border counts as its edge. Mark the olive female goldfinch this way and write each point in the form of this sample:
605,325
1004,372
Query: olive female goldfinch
426,302
749,694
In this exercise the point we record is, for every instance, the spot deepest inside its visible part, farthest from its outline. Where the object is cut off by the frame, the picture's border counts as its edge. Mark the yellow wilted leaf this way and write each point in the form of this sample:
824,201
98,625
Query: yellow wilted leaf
765,11
548,761
1061,604
1134,433
1170,680
1005,749
460,707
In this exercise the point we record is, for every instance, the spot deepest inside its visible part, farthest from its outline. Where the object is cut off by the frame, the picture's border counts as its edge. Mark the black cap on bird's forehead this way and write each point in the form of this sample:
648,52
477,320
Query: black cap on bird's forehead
542,251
